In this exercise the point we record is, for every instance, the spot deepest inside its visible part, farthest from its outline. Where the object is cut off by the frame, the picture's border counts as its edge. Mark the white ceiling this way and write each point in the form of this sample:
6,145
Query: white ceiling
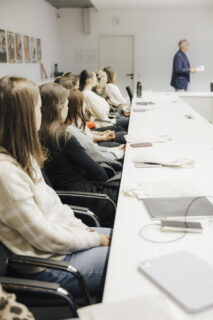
70,3
135,4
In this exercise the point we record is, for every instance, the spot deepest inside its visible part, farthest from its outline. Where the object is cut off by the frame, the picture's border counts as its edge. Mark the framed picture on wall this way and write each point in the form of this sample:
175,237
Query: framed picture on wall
26,49
39,50
3,47
33,51
19,48
11,47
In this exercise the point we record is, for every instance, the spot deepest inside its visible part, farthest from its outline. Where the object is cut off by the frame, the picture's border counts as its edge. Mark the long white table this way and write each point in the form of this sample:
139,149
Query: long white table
128,249
202,102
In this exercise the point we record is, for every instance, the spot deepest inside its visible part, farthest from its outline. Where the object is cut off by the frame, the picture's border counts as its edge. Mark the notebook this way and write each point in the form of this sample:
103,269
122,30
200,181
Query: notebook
184,277
176,207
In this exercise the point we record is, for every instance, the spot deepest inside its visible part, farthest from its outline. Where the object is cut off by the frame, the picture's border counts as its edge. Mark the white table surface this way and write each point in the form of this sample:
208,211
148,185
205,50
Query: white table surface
128,249
195,94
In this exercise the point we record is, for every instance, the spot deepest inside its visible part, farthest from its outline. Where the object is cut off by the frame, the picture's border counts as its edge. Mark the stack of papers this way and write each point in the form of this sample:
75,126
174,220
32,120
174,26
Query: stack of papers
168,158
142,139
163,188
147,307
200,68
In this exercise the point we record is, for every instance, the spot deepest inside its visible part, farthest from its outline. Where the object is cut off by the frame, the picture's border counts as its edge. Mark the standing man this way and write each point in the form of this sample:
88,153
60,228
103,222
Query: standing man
181,68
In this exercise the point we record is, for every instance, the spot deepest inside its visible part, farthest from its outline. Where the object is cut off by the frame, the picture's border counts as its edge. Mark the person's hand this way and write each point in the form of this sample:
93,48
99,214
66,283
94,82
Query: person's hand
102,133
118,151
107,131
104,240
193,70
122,147
109,136
127,113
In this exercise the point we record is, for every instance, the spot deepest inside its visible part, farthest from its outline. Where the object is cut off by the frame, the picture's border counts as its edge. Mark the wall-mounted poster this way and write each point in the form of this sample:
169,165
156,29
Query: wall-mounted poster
33,54
11,47
19,49
3,47
26,49
38,50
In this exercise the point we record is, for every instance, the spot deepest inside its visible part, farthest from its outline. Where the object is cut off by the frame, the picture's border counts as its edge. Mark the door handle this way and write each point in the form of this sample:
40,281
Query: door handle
130,75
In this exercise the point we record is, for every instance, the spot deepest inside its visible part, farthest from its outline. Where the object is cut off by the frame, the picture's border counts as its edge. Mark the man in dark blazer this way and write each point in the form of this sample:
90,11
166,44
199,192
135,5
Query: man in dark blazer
181,68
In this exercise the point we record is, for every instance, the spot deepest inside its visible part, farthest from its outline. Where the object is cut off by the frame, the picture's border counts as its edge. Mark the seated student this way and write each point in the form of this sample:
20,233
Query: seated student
69,81
106,136
76,125
97,106
33,221
112,89
69,167
100,89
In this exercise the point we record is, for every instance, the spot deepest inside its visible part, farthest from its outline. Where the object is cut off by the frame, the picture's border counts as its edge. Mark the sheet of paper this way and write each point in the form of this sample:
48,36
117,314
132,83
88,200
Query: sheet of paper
170,188
200,68
147,307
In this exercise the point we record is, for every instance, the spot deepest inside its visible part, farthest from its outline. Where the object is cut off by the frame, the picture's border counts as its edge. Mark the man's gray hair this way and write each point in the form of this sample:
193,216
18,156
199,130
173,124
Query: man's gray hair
182,43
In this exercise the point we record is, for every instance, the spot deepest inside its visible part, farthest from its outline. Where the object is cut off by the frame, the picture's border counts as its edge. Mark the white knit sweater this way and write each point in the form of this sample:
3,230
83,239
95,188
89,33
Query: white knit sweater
115,94
33,221
98,106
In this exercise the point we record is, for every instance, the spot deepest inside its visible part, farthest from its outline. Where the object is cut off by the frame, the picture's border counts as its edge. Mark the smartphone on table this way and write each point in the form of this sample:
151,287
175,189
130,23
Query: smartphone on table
181,226
141,145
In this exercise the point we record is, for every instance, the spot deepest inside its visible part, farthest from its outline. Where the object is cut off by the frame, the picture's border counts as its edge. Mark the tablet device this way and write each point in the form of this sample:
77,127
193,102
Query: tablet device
159,208
184,277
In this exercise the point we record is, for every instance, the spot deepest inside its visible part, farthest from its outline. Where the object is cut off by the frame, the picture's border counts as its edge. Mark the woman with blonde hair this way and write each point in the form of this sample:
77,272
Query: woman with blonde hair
98,107
112,89
69,166
33,221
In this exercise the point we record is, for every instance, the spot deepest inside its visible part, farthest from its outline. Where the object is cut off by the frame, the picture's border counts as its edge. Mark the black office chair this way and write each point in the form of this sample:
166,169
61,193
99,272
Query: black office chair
130,94
87,200
39,296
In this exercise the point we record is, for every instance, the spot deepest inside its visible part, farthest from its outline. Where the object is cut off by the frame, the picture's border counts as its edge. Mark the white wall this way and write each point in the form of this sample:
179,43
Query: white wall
72,38
34,18
156,35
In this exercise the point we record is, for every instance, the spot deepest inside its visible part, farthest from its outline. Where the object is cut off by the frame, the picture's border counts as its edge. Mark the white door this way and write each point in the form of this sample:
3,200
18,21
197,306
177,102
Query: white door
118,52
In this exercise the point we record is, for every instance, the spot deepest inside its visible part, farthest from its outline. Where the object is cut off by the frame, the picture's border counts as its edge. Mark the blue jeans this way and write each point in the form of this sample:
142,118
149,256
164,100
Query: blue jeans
92,263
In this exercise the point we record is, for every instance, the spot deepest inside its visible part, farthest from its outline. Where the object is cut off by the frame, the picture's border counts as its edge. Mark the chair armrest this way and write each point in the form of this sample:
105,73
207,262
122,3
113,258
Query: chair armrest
82,194
87,216
79,208
53,264
17,285
64,195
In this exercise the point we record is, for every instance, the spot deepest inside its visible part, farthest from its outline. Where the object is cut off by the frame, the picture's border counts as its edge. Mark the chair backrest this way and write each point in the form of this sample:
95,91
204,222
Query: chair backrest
3,259
46,179
130,94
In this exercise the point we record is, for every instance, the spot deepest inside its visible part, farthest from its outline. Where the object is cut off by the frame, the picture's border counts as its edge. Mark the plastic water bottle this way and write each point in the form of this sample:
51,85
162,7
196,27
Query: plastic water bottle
139,89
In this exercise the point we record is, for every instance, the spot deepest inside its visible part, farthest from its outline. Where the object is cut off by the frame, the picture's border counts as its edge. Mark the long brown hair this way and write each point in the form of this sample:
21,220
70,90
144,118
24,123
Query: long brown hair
53,96
68,80
75,109
18,131
110,74
84,75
